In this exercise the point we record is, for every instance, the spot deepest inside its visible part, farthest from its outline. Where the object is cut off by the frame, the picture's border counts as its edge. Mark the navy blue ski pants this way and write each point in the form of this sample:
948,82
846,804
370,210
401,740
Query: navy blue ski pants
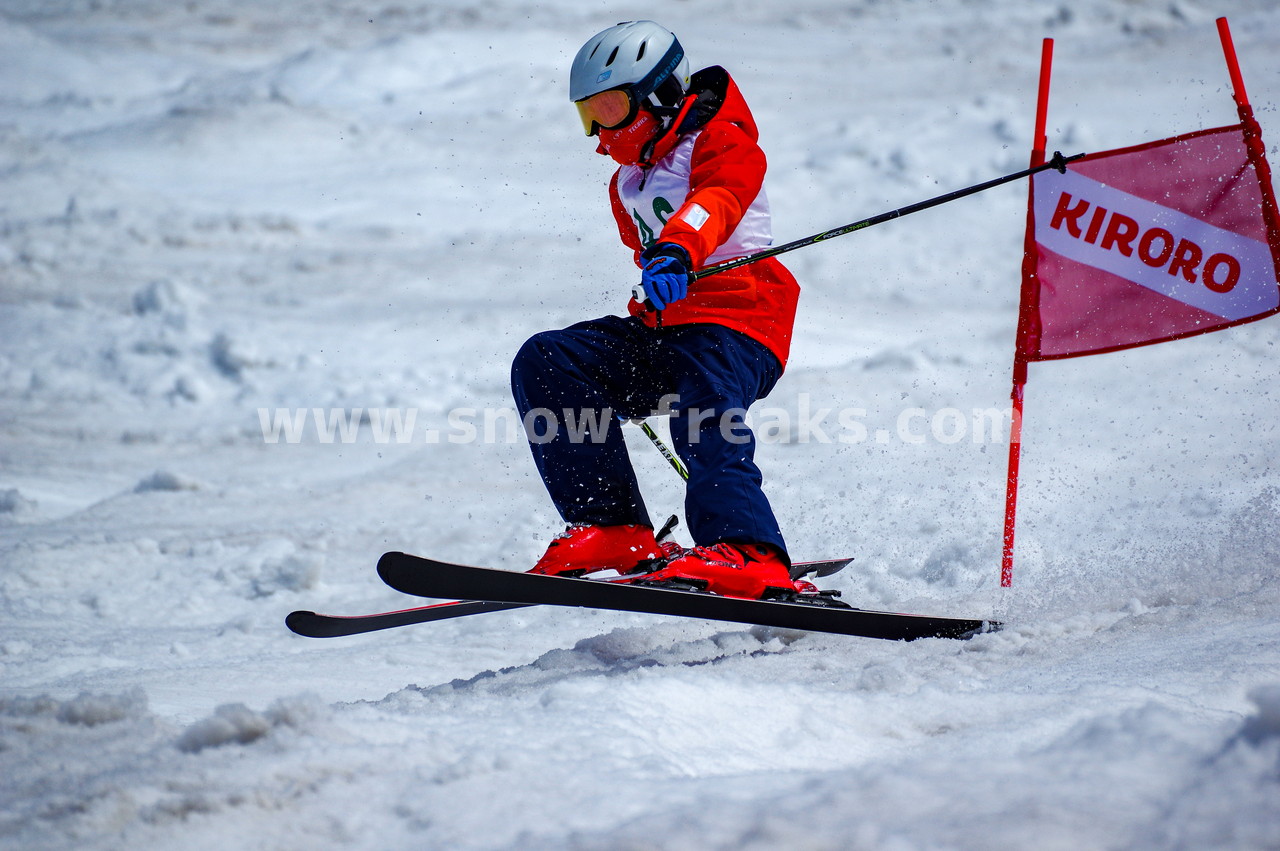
572,385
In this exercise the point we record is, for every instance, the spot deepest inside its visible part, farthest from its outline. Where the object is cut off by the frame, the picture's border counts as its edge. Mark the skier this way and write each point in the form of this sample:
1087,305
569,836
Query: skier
688,194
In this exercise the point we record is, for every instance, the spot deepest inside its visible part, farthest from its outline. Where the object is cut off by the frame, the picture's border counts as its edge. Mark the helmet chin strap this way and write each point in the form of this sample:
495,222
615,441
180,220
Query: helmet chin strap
665,114
647,151
666,118
669,117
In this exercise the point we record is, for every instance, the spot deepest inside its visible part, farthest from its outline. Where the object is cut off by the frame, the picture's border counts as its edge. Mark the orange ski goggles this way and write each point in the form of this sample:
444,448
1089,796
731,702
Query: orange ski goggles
606,110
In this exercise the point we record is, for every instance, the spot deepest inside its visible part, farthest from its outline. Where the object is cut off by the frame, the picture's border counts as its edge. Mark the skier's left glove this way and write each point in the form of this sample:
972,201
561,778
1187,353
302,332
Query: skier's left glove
666,274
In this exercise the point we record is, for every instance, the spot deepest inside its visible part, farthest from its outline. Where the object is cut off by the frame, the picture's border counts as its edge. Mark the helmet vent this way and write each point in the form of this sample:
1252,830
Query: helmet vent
634,55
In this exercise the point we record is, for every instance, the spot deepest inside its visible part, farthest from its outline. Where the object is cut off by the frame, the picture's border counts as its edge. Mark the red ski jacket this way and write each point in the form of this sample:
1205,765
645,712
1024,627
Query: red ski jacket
703,188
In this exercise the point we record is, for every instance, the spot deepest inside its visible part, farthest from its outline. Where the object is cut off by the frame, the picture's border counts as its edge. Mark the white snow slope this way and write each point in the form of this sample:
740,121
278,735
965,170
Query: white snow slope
221,206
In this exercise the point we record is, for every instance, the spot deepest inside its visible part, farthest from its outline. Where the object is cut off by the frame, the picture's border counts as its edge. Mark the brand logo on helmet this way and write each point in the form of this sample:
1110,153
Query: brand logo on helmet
606,75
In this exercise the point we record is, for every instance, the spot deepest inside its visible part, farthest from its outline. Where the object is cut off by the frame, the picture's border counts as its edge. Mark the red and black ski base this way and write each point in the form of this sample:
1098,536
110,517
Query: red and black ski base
429,578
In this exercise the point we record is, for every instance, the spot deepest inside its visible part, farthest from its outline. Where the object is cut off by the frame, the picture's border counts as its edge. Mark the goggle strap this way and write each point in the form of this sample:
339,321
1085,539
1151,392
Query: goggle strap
665,68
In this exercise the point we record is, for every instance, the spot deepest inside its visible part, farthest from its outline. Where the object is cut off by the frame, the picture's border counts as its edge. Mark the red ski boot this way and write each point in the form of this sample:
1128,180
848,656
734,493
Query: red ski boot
587,549
732,570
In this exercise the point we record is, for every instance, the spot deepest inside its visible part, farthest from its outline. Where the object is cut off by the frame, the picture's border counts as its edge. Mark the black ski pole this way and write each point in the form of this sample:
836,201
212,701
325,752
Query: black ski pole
1058,162
662,447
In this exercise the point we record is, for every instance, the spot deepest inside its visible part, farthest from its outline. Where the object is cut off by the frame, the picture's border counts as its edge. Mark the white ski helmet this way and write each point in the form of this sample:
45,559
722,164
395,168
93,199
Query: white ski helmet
641,61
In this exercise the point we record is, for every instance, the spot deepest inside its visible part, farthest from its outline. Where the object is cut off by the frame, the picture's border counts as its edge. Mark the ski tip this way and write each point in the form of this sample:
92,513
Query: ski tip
296,621
819,568
386,564
959,629
983,628
833,567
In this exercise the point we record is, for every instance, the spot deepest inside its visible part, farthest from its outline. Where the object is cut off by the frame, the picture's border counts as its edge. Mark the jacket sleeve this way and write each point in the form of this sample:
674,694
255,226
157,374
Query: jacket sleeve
626,225
726,173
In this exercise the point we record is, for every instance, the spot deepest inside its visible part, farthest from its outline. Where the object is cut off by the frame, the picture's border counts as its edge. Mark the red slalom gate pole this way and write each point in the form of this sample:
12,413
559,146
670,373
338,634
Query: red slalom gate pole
1252,135
1026,315
1233,64
1042,104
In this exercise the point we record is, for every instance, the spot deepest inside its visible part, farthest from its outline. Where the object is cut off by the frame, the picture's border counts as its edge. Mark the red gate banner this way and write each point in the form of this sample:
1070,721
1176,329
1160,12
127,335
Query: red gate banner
1151,243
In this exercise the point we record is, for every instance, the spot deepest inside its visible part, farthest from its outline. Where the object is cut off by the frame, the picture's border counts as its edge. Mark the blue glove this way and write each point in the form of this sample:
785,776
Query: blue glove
666,274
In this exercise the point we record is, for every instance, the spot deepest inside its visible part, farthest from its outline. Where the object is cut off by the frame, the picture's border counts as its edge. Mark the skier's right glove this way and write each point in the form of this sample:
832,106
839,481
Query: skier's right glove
666,274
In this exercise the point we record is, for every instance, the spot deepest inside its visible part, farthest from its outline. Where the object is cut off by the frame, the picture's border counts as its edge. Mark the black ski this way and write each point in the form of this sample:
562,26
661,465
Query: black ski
314,625
428,578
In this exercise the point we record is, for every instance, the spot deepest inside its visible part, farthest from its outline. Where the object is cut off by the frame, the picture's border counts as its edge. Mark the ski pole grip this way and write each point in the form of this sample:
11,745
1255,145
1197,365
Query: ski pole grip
638,293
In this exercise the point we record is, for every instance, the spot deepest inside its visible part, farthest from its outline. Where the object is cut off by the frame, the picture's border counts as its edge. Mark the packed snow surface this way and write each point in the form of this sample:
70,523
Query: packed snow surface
238,238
